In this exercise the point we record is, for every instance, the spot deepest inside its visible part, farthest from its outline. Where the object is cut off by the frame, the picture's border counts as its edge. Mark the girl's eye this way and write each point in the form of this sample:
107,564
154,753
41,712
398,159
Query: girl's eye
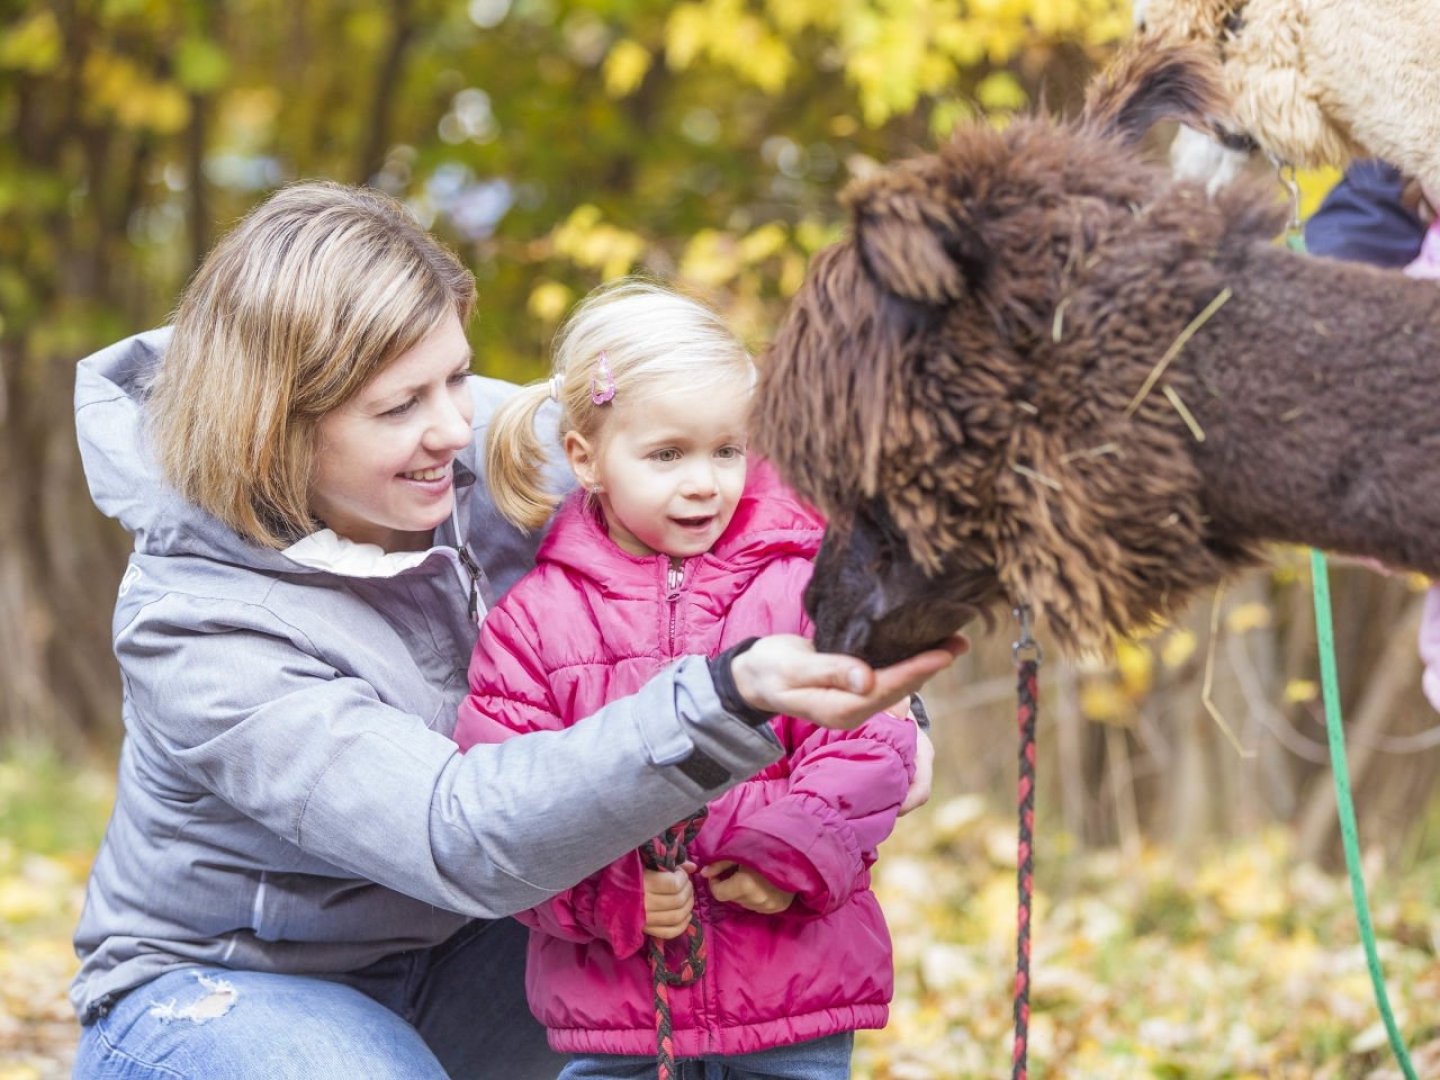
668,454
730,452
458,379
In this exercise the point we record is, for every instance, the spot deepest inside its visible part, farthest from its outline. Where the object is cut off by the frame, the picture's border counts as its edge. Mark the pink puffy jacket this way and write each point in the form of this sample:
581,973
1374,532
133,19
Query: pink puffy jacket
592,623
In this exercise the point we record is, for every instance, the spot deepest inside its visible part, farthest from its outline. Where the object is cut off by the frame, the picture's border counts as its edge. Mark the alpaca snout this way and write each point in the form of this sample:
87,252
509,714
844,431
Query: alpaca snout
856,614
858,636
849,636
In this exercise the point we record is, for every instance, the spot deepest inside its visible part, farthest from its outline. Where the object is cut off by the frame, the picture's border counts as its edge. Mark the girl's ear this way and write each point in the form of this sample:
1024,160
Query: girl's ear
582,458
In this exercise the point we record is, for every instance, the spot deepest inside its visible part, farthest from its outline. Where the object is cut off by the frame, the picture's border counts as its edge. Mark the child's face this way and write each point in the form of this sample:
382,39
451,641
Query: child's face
671,467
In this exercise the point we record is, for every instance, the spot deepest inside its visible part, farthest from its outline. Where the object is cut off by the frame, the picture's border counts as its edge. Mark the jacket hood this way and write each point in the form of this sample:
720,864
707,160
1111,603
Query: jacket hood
770,521
111,389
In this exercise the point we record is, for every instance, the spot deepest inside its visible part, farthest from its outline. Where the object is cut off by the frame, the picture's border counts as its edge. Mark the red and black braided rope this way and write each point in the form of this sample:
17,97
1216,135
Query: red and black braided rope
1027,693
668,851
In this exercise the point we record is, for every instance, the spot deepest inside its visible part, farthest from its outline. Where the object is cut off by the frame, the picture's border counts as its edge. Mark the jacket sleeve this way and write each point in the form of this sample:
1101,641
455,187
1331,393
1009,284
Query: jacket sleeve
251,709
1364,219
510,695
608,906
845,790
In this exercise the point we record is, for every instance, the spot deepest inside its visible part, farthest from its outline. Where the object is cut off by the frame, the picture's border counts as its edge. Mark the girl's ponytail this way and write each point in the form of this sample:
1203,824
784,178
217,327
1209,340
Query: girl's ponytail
515,460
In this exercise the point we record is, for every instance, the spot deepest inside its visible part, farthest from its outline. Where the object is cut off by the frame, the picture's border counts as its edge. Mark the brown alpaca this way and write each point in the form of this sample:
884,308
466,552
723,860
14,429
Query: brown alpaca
1005,384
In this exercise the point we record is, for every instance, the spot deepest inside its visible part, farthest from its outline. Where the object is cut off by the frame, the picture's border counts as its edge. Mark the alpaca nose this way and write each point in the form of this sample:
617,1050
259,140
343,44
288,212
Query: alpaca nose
836,630
854,637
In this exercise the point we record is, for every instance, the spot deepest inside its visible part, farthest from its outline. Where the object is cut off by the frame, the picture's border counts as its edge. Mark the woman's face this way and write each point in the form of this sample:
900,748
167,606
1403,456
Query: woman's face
384,460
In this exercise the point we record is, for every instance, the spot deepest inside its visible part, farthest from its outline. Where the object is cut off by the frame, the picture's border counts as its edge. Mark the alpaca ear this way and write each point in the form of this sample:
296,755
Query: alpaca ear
1149,82
909,240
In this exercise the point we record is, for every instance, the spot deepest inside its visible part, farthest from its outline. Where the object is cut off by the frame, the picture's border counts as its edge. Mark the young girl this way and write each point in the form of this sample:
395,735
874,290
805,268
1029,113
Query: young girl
676,544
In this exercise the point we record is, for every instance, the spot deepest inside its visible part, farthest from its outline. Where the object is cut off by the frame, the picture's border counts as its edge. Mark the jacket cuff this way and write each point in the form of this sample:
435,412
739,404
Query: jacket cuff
701,746
801,845
619,912
723,675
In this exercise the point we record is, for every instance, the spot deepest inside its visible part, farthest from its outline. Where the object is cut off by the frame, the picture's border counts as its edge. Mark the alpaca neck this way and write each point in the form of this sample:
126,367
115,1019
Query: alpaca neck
1318,391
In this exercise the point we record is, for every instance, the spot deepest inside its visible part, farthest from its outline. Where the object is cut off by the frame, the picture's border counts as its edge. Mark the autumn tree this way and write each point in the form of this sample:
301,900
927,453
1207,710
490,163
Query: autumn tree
556,144
553,143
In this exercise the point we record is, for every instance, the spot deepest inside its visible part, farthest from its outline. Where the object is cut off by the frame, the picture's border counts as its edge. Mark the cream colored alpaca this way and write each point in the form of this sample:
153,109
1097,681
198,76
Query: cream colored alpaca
1318,82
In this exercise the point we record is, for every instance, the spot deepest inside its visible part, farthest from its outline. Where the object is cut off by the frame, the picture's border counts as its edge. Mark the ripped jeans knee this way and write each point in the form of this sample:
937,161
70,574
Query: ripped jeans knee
217,1024
216,998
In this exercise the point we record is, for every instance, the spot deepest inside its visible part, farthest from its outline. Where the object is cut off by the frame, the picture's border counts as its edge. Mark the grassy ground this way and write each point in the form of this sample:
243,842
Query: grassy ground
1231,963
51,820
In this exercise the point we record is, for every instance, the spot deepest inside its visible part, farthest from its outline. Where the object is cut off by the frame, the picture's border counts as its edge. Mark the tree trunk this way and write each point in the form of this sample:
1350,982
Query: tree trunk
58,570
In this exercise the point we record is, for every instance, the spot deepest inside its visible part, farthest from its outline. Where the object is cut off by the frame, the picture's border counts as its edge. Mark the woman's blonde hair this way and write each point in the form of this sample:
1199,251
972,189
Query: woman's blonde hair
650,337
312,294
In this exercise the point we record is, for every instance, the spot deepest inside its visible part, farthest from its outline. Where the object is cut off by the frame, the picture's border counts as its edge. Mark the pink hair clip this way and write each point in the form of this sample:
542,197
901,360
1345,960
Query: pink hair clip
602,392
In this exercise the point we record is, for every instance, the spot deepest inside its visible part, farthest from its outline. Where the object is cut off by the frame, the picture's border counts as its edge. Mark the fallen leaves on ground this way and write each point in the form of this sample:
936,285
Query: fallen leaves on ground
1232,963
51,819
1235,963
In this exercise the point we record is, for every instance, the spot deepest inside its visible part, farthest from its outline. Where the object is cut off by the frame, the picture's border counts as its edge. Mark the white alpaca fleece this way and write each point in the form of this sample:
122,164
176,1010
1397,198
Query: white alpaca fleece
1317,82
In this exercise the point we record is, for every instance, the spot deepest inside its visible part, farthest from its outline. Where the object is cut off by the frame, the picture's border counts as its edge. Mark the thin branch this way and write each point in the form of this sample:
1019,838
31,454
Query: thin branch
1209,681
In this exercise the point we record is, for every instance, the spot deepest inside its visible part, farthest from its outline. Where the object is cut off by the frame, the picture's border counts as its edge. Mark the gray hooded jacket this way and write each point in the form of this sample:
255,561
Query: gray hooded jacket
289,797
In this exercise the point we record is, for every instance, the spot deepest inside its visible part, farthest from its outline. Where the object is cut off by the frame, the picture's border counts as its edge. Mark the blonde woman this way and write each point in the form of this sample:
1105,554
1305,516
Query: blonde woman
303,877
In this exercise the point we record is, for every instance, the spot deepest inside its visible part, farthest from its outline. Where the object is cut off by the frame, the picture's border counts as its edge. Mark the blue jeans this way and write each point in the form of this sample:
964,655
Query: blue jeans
818,1059
457,1009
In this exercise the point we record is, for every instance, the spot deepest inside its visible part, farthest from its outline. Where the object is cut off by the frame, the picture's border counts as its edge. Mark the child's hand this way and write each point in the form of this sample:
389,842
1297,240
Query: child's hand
669,899
918,793
751,890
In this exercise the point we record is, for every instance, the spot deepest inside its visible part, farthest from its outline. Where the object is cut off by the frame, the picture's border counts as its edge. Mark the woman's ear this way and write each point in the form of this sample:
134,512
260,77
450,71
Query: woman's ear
582,458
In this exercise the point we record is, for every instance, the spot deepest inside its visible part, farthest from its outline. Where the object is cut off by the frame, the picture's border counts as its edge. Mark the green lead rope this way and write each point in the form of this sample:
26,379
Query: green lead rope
1344,805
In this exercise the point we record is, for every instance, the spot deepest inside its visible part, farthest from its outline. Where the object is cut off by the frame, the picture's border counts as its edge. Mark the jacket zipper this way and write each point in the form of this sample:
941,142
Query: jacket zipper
674,582
674,578
473,569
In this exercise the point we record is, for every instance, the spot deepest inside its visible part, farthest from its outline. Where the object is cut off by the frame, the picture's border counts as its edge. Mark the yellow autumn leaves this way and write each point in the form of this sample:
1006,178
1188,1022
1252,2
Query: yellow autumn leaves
952,58
113,86
892,51
1230,962
51,817
710,259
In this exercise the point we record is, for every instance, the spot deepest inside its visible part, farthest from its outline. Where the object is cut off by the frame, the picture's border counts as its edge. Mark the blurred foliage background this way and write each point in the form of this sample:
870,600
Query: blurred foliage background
557,143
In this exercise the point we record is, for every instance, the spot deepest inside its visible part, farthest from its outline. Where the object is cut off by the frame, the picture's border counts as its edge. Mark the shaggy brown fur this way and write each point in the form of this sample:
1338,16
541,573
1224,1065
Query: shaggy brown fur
952,385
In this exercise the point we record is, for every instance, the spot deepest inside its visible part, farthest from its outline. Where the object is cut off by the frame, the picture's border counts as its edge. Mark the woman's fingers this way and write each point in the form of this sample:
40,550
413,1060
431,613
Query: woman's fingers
898,681
784,674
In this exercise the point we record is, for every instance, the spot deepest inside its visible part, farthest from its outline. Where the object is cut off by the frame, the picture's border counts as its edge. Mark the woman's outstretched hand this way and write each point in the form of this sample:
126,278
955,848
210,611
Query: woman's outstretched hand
784,674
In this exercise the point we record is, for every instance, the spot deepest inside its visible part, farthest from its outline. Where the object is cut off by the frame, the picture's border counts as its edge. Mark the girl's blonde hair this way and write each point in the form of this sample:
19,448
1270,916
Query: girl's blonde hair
312,294
651,338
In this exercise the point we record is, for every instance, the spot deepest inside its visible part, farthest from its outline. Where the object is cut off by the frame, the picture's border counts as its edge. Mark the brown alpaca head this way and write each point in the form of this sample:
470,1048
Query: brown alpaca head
950,384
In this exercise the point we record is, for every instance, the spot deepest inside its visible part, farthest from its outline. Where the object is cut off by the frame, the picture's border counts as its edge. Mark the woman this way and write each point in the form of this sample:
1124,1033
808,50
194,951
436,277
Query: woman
291,880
